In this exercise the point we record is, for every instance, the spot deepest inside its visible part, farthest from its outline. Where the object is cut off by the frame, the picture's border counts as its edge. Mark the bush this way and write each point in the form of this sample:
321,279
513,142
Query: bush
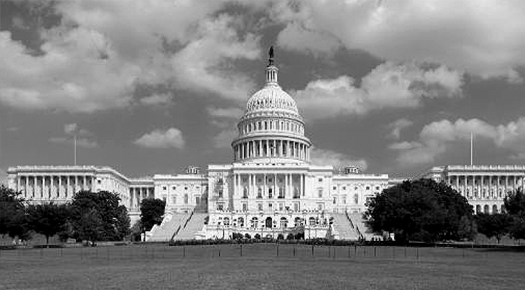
280,237
247,236
257,237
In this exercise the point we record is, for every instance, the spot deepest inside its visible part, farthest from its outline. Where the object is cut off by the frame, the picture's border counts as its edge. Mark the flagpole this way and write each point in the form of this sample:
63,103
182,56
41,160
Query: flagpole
471,148
75,148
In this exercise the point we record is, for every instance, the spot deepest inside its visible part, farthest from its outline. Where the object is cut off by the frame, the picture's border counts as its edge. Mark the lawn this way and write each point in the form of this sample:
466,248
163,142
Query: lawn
261,266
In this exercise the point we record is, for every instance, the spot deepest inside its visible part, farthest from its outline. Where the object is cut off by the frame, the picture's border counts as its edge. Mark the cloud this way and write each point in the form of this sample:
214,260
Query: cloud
170,138
480,37
397,127
328,157
435,138
233,112
81,142
156,99
200,65
389,85
94,59
224,138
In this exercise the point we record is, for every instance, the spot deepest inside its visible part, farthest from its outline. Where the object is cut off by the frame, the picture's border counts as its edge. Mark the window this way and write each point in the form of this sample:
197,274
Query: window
344,187
245,193
377,187
186,198
320,192
260,206
185,188
220,193
174,199
368,188
344,199
334,188
335,200
320,180
356,198
259,192
320,206
197,200
296,206
220,206
164,188
174,188
270,192
244,207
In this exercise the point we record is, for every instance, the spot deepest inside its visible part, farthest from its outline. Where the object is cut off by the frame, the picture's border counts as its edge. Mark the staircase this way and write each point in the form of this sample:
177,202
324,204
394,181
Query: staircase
343,228
191,227
361,227
168,228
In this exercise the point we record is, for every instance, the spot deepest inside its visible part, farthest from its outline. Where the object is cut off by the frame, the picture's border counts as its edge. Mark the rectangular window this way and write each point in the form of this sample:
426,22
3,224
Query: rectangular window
260,206
220,193
320,192
244,207
220,206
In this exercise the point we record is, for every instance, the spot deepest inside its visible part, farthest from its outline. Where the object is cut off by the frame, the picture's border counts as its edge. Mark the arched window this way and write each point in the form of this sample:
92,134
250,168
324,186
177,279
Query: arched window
259,192
240,222
486,208
245,192
356,198
478,208
494,209
311,221
226,221
297,221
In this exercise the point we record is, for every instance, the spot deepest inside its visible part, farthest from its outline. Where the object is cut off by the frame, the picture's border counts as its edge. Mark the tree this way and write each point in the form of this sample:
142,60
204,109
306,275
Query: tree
47,219
493,225
98,216
515,207
151,212
421,210
13,219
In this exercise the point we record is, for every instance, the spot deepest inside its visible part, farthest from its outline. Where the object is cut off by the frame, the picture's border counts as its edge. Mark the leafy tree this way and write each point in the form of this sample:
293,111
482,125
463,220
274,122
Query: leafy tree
493,225
151,212
13,220
421,210
515,207
98,216
47,219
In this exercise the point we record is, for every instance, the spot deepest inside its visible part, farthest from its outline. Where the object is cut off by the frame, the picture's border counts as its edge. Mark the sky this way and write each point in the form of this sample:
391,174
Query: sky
151,87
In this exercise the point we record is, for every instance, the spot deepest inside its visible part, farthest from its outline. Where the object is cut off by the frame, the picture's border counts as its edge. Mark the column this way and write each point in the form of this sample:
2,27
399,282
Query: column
43,186
482,187
259,145
59,185
301,178
18,186
265,186
275,191
26,184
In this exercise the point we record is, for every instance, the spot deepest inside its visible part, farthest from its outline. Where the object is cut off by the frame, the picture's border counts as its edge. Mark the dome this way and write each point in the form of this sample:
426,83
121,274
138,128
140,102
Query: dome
271,97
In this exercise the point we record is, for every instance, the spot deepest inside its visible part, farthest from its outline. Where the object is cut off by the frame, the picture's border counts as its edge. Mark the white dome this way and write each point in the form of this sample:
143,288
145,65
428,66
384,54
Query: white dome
271,97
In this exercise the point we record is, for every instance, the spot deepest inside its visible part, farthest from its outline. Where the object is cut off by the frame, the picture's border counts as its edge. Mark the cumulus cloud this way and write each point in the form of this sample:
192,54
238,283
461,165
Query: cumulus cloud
94,59
397,127
479,37
170,138
336,159
156,99
435,137
389,85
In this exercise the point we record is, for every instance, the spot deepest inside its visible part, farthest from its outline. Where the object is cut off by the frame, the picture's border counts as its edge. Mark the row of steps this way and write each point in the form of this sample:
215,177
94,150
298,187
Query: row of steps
192,227
362,229
171,223
343,228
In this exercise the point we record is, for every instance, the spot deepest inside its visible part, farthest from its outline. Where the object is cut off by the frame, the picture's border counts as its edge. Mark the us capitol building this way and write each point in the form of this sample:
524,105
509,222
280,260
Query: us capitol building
271,188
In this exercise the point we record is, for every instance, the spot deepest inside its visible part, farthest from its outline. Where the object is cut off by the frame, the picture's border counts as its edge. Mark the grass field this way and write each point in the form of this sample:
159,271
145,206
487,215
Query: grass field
261,266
